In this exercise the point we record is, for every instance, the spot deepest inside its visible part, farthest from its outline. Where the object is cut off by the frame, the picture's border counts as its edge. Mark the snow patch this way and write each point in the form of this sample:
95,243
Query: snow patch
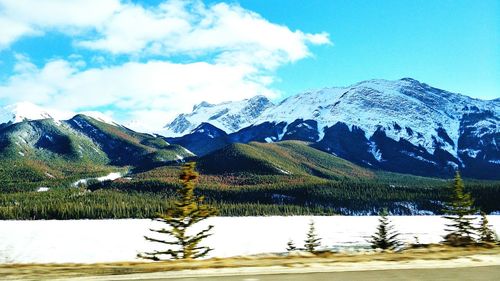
109,177
99,116
471,152
305,125
413,208
283,171
376,152
188,151
179,158
418,157
282,134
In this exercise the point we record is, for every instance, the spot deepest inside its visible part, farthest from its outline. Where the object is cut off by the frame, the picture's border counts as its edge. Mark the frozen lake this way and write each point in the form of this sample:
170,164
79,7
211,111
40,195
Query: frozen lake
89,241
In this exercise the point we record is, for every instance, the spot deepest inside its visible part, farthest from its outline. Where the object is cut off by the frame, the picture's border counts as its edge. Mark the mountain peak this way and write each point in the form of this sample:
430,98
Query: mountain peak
202,104
99,116
259,98
25,111
409,79
228,116
208,130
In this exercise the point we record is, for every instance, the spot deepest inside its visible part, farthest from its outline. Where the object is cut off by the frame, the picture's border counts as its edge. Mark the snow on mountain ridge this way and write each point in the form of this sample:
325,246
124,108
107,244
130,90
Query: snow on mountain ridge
404,109
99,116
392,106
26,111
228,116
22,111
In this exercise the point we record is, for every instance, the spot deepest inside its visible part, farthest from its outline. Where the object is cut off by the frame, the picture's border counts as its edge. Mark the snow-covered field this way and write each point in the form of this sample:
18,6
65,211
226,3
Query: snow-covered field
89,241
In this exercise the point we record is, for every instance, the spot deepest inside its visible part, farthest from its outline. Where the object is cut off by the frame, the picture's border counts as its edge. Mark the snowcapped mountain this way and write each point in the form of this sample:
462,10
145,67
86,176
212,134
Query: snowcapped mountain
406,109
401,125
19,112
26,111
228,116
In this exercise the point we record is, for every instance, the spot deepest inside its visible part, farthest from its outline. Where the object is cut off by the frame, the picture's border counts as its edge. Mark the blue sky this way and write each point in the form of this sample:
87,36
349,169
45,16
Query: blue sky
150,60
454,45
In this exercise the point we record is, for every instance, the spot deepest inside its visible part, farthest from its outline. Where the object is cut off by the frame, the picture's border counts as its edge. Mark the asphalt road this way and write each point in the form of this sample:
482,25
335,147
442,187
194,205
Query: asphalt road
489,273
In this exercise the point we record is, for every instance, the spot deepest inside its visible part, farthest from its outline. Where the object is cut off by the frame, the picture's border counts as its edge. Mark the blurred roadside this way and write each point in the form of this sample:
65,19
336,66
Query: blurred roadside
427,263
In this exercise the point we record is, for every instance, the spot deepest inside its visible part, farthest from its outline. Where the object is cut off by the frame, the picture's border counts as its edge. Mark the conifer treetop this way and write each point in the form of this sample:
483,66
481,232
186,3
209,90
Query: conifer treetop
187,211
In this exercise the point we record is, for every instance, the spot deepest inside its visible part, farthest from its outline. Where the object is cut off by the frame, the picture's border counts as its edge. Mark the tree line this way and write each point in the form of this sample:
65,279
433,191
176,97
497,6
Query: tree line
145,197
190,209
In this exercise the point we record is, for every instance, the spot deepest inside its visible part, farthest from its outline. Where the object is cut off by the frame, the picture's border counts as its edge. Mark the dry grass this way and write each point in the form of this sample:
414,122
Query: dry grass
52,271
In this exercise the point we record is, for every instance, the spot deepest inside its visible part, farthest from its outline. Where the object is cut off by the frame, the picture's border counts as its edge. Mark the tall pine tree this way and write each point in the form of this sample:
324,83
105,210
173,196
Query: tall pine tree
459,211
312,241
188,210
386,238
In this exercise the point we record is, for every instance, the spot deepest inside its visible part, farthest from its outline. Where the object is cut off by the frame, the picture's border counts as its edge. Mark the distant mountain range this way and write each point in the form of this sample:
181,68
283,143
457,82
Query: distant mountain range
402,126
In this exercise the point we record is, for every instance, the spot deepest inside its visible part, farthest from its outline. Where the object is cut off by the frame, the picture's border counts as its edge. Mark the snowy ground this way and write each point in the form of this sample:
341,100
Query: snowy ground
109,177
90,241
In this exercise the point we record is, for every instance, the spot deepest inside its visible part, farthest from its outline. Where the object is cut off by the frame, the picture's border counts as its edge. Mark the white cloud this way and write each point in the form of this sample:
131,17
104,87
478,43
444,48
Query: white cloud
175,27
149,121
189,27
11,30
59,14
163,88
232,53
133,29
20,18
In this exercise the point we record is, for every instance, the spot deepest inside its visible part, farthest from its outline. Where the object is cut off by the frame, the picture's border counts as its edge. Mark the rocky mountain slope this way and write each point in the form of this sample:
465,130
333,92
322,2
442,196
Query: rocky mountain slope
228,116
403,126
47,149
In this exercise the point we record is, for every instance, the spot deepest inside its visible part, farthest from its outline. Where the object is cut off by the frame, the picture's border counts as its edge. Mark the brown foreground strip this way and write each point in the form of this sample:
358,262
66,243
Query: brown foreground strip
481,273
421,258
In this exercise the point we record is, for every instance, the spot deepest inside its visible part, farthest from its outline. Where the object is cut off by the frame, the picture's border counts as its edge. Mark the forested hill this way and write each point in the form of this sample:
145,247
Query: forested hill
51,152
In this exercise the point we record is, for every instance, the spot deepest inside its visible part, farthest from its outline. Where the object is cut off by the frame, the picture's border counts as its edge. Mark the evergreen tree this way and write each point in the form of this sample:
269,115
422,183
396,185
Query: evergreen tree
386,238
290,246
459,210
312,241
486,234
187,211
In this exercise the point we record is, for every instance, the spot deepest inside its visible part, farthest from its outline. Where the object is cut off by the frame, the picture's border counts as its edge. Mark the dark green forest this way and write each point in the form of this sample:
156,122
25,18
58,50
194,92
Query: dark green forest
146,198
288,178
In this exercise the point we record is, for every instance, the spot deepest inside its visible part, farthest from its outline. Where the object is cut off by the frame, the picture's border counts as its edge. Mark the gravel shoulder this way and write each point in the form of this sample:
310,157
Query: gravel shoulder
422,260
